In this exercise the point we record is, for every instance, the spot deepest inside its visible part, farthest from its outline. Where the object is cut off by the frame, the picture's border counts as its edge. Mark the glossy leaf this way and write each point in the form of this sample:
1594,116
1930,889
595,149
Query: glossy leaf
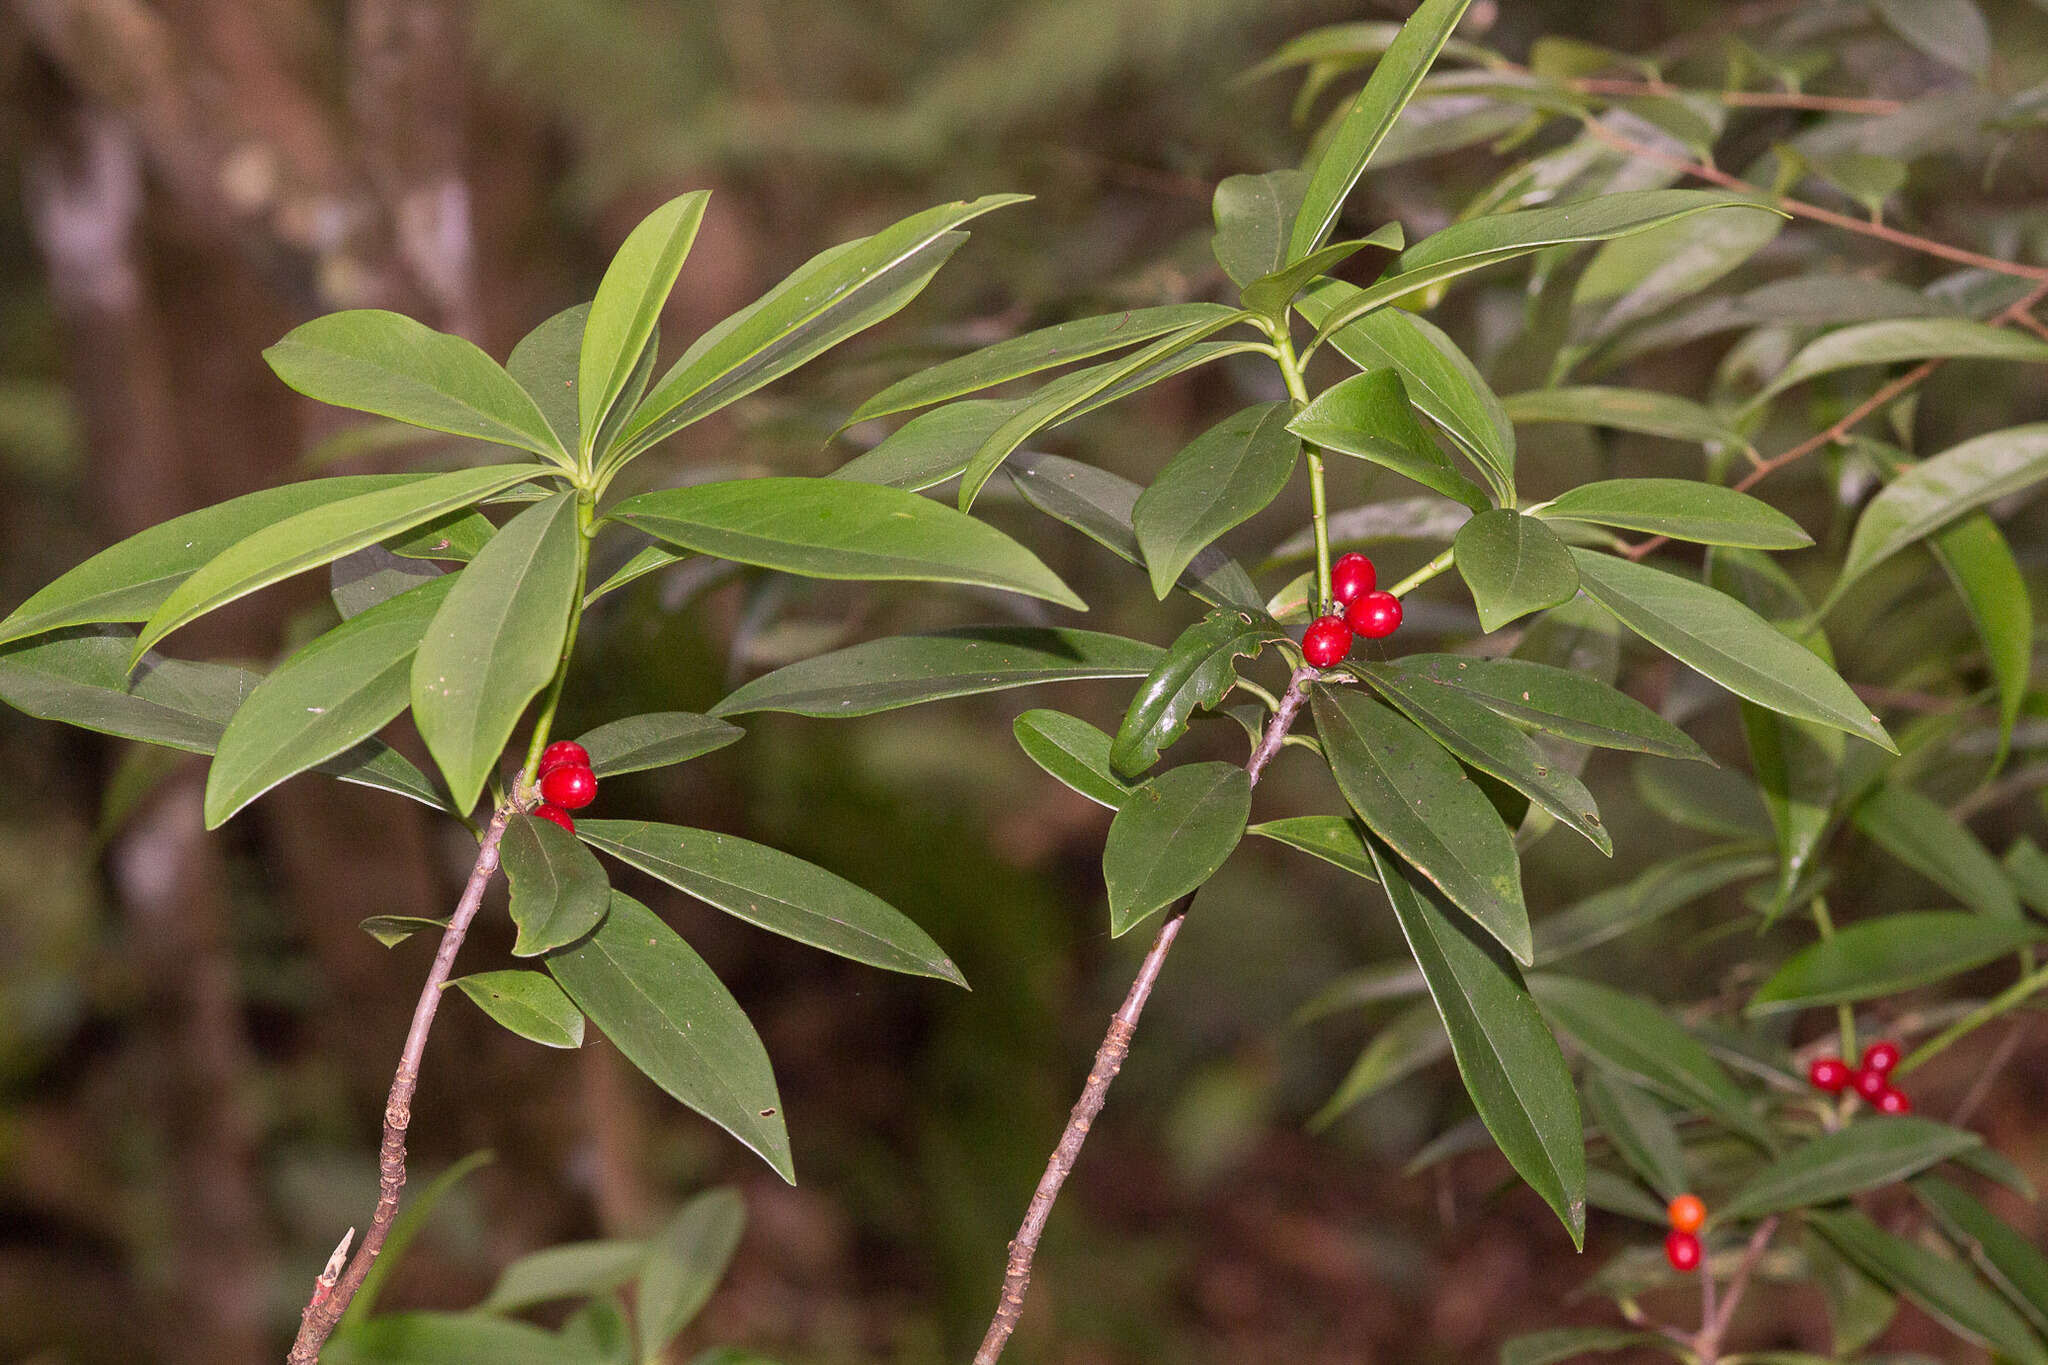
1195,674
1682,509
1639,276
544,364
1925,837
1514,565
1509,1062
386,363
373,576
777,891
1337,839
1073,751
1869,1154
1368,416
456,536
655,739
1558,701
931,447
906,670
81,678
665,1010
1943,1288
830,528
1254,216
527,1003
572,1270
1410,1041
1170,837
1729,643
1895,339
1884,956
685,1262
1273,293
628,304
1220,480
2007,1258
1640,1132
559,890
1639,410
1414,796
318,536
1981,565
495,642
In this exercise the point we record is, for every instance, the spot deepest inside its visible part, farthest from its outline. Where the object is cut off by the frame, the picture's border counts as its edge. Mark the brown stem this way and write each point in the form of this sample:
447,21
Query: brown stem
1715,1323
331,1295
1109,1059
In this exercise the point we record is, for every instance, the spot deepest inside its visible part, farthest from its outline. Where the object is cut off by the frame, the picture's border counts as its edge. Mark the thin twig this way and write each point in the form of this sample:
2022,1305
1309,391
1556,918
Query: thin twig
1109,1059
1742,99
1987,1076
1715,1329
331,1297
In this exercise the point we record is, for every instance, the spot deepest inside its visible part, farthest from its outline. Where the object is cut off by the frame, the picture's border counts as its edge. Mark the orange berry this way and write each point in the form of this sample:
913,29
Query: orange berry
1687,1213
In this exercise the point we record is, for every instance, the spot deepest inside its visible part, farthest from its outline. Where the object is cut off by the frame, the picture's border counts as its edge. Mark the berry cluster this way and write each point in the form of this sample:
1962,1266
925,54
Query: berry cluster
1872,1080
566,782
1375,615
1682,1245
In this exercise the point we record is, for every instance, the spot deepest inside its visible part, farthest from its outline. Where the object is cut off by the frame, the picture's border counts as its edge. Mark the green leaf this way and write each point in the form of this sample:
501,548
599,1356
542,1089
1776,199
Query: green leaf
1859,1308
1639,410
559,890
2028,868
1371,117
628,304
1798,774
664,1009
1509,1062
1938,1285
1951,31
1369,416
1682,509
528,1004
1440,379
573,1270
1639,276
933,446
1195,674
1713,633
2007,1258
392,930
1337,839
1896,339
1273,293
1608,914
907,670
1925,837
1894,953
373,576
1032,353
82,679
1073,751
388,364
1408,1042
319,536
1569,1343
1715,801
404,1228
1170,837
451,1339
1414,796
1639,1040
1986,575
1640,1132
835,294
1221,479
685,1262
452,536
1101,506
544,364
495,642
335,692
1866,1155
1558,701
831,528
1936,491
1488,742
655,740
1514,565
1254,215
129,580
776,891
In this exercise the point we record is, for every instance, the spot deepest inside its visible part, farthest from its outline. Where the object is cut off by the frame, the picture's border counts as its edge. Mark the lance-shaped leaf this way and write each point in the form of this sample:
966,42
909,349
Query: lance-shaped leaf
392,930
1171,836
1929,495
1940,1286
1413,795
777,891
1713,633
318,536
1197,671
1607,915
1514,565
933,446
1509,1062
495,642
1254,216
450,1339
1894,339
1488,742
1101,505
1338,840
338,690
1371,117
1369,416
1032,353
664,1009
1221,479
906,670
373,576
1925,837
1559,1344
129,580
388,364
1641,276
1683,509
1640,1132
544,364
1951,31
527,1003
685,1262
1894,953
1073,751
832,528
1273,293
835,294
628,304
571,1270
654,740
1987,576
1639,410
1410,1041
1867,1155
559,890
2007,1258
2027,865
1558,701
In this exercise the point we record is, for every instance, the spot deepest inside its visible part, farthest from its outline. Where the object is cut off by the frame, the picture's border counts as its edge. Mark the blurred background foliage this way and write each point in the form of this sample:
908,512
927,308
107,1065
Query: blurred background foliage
194,1036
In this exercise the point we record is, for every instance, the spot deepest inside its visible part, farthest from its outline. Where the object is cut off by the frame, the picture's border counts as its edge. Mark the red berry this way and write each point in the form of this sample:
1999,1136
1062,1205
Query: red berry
554,815
563,753
1682,1249
1870,1084
1326,641
1881,1057
1352,576
1376,615
1894,1101
1687,1213
570,788
1830,1074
